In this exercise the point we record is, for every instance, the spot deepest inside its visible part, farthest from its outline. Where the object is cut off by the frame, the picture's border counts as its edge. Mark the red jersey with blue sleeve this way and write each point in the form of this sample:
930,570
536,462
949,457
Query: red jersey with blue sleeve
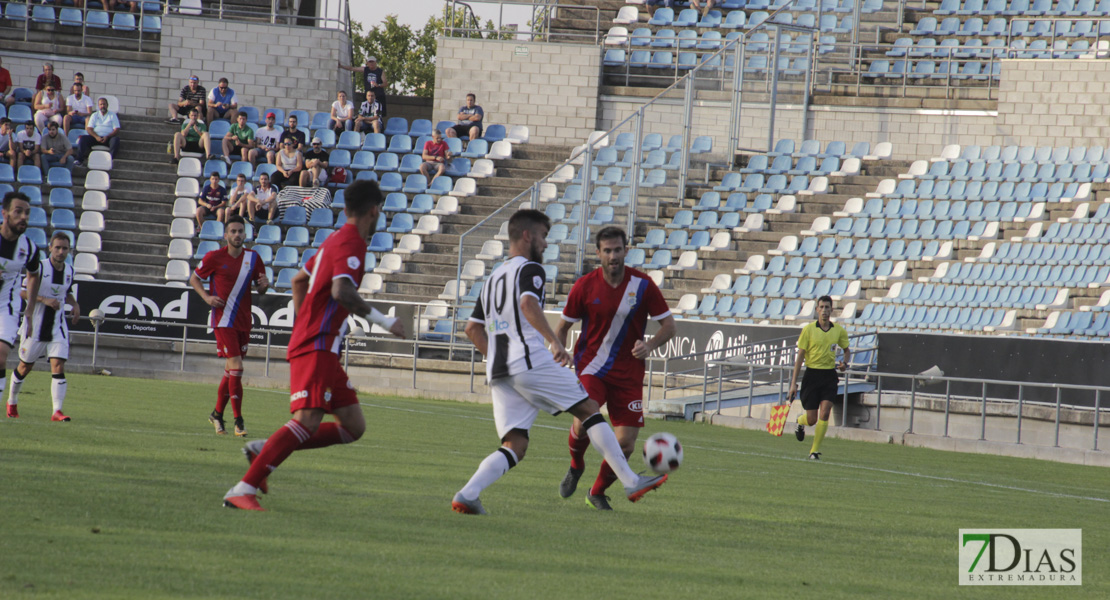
613,319
321,322
230,279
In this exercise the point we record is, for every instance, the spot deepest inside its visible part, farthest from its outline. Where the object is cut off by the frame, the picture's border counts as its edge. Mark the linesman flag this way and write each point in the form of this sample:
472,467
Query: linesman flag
778,419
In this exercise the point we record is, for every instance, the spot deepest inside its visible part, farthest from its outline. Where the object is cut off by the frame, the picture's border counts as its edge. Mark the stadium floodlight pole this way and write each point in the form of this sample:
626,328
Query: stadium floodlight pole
811,63
687,123
583,206
737,97
774,66
634,184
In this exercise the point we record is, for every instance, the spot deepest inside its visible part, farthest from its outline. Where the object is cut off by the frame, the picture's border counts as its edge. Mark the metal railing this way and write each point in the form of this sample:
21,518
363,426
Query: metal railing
539,30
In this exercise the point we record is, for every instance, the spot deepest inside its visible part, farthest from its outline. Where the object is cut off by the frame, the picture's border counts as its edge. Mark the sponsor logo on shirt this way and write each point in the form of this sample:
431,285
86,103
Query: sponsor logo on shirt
537,281
495,326
353,262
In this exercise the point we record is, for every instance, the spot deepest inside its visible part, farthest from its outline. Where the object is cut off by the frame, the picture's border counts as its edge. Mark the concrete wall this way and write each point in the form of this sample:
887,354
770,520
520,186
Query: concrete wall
551,88
268,65
1057,102
134,83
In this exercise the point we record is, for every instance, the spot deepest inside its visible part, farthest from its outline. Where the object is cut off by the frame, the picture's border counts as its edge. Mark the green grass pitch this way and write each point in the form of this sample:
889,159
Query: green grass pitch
125,502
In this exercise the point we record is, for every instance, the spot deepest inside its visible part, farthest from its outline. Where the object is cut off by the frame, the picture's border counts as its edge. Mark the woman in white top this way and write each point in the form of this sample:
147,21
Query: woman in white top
289,162
342,114
49,106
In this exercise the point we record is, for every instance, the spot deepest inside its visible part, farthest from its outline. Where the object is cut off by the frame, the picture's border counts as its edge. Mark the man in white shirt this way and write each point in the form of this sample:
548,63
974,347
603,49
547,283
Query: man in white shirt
78,108
266,140
28,146
101,129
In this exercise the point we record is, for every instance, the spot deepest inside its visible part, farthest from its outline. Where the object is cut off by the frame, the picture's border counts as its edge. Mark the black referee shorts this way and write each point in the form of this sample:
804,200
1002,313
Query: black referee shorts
818,385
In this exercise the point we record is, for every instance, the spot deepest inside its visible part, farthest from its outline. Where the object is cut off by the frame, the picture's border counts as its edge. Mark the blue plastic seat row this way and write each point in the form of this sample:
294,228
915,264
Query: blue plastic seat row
1014,8
1051,254
1041,49
1049,172
1049,275
756,182
952,47
865,248
976,210
832,268
736,202
729,307
1085,324
904,69
654,141
806,288
684,219
975,296
985,191
1071,233
909,228
1040,154
903,316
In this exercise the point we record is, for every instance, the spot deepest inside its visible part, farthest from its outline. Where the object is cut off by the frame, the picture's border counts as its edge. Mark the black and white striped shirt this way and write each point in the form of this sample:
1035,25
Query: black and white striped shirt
15,256
49,324
514,345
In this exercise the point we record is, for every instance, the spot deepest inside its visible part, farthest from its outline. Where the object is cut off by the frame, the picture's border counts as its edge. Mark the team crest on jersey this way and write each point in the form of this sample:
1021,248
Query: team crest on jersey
352,262
632,298
327,396
537,281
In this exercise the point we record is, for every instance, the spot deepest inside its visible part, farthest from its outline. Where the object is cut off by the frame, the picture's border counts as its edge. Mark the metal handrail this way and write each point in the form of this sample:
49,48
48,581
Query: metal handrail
542,14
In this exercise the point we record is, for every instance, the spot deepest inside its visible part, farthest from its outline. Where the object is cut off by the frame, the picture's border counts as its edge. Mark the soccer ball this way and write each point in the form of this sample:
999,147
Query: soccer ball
662,453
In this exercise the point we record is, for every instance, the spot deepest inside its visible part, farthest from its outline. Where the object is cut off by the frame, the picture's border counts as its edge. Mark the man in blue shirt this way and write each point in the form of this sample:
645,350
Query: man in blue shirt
101,129
469,120
221,102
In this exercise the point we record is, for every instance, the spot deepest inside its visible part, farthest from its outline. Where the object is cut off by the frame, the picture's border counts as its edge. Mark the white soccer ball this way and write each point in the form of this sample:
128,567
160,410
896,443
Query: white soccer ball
662,453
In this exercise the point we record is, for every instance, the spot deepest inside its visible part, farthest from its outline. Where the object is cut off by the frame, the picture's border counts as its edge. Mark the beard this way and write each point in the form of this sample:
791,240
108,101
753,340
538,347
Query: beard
18,227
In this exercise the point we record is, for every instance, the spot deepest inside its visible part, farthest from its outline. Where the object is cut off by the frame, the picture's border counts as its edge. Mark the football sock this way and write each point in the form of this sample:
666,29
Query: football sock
578,445
328,434
278,448
802,419
13,389
605,440
58,390
492,468
222,395
235,392
605,478
822,427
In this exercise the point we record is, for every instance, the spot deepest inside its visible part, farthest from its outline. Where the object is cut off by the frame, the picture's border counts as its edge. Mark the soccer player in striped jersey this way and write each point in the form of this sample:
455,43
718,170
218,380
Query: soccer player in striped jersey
508,326
614,304
324,293
232,271
46,331
17,254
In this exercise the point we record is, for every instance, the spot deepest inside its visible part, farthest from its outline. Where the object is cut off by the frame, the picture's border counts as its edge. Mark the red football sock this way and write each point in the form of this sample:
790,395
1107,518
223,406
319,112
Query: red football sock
328,434
222,394
578,446
278,448
605,478
235,391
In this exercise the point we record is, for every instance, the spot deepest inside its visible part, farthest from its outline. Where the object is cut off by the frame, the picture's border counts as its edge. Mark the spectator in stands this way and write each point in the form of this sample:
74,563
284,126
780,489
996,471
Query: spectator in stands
266,139
222,103
694,4
6,86
469,120
211,201
193,95
370,112
79,79
57,151
342,114
264,199
193,137
28,145
435,156
292,133
48,78
7,145
101,129
49,106
373,79
240,139
290,164
237,197
315,172
78,108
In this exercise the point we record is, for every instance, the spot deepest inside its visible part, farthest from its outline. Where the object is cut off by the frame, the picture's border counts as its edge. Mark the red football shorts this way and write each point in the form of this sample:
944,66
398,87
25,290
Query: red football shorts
231,342
317,380
625,401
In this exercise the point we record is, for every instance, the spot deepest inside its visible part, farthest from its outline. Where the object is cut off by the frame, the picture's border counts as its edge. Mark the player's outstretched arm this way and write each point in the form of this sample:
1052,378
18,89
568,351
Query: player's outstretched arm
532,311
477,334
344,292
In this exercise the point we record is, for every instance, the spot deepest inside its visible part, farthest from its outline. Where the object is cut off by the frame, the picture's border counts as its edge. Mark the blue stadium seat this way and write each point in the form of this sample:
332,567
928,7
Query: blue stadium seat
319,121
59,177
395,202
381,242
400,143
294,215
321,217
494,133
387,161
318,240
296,236
396,126
422,204
401,223
410,163
286,256
268,235
349,140
415,184
476,149
61,198
212,230
30,175
362,160
33,192
214,166
339,158
123,22
390,182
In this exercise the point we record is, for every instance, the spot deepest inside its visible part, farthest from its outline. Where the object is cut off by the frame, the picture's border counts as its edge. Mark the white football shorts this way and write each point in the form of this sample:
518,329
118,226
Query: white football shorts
9,328
518,399
31,350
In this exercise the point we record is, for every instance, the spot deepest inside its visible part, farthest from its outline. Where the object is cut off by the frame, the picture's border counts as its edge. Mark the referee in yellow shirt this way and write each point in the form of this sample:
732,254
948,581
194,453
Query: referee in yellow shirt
817,349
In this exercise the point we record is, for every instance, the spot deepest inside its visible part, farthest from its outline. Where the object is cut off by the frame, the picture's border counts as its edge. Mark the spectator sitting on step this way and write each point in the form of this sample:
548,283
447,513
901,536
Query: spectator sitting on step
239,140
435,156
28,144
469,120
264,199
315,172
290,133
79,79
57,151
78,108
6,86
47,78
221,102
7,144
193,137
369,118
290,164
101,129
342,114
211,201
193,95
49,106
237,197
266,140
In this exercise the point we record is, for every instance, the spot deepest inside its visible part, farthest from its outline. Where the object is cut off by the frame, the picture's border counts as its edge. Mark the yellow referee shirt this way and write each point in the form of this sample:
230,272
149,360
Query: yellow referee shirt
820,345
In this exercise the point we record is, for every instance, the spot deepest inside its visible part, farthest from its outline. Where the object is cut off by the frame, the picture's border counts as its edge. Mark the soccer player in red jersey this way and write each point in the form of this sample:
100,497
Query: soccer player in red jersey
613,303
232,270
324,293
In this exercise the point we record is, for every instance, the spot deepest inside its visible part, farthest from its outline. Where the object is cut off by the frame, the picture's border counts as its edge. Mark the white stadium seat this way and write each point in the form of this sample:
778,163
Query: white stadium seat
180,249
87,265
113,102
99,180
500,150
447,205
491,250
427,225
409,244
189,167
473,269
178,270
451,288
371,284
100,160
95,201
91,221
465,187
89,241
184,208
187,187
687,260
483,167
390,263
182,228
503,233
518,134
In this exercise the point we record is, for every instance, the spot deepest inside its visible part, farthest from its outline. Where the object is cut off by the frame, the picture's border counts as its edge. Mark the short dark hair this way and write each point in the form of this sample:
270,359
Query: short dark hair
610,233
361,196
527,218
59,235
10,196
224,80
79,74
5,121
825,299
236,219
471,96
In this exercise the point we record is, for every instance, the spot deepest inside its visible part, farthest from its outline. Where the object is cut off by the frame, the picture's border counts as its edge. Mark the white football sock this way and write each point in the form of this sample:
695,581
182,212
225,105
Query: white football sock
492,468
605,440
242,489
13,388
58,391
